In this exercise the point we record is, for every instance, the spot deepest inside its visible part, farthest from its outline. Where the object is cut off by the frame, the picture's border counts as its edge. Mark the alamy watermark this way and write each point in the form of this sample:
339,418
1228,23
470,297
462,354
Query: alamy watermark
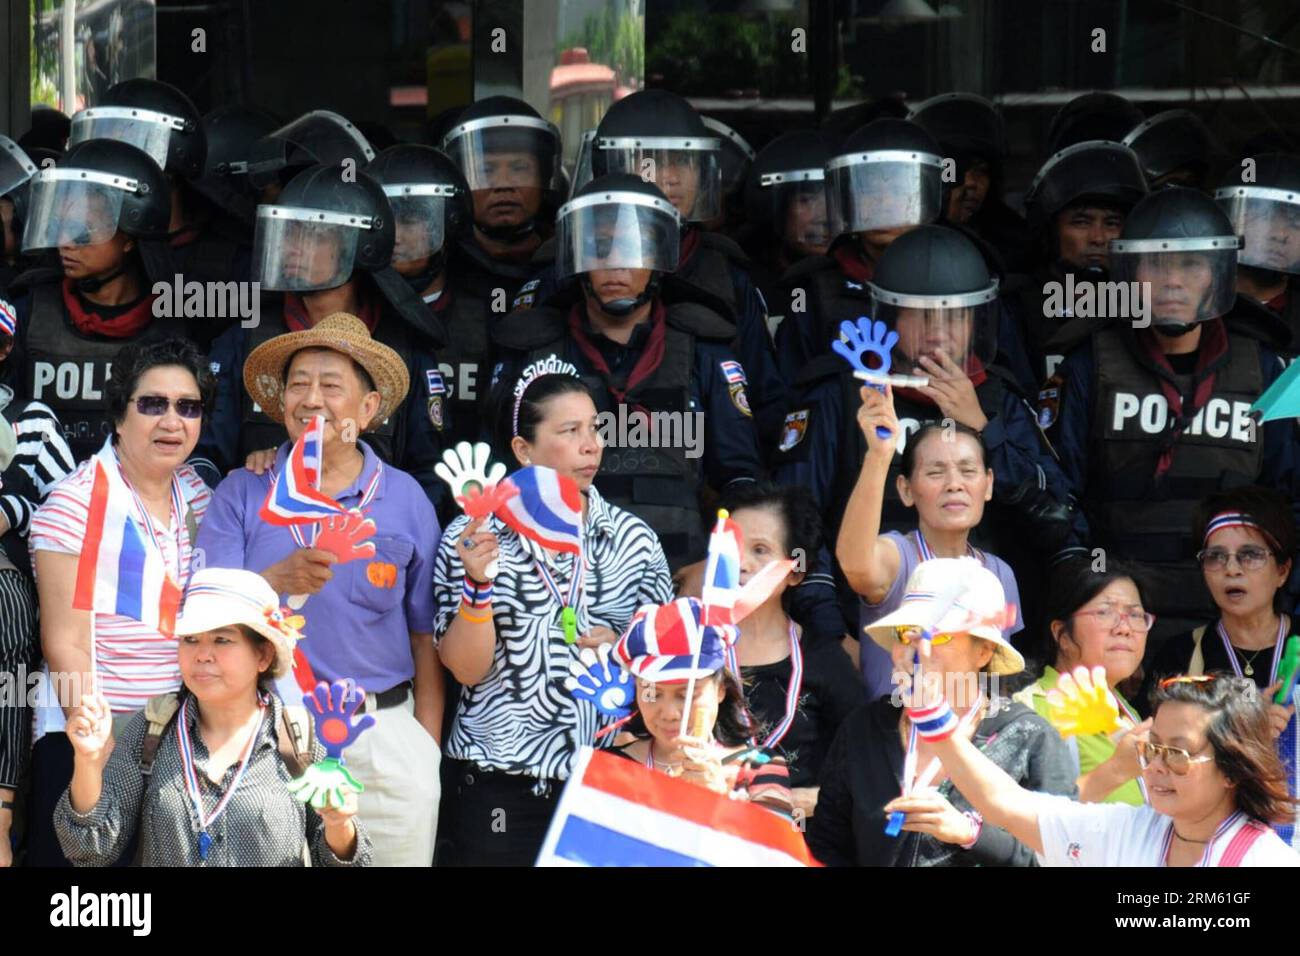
637,428
179,299
1098,300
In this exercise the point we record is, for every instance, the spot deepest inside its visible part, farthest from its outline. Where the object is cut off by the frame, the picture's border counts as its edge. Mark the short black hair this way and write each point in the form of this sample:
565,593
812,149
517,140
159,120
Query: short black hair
1073,584
532,409
363,376
136,358
803,524
908,464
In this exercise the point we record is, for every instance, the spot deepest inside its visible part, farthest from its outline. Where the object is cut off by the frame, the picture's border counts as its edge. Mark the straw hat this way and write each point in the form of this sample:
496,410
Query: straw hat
980,608
222,597
341,332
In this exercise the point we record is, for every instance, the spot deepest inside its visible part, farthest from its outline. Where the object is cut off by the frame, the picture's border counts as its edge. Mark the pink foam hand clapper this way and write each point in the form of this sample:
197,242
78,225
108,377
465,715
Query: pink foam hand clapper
1081,703
344,536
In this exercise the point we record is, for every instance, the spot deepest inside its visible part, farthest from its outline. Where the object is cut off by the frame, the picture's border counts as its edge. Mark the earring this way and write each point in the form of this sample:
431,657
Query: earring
528,461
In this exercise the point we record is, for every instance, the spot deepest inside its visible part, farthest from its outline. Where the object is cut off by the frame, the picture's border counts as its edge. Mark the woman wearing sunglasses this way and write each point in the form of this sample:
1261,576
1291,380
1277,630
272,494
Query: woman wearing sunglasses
1249,537
1214,781
156,396
1098,619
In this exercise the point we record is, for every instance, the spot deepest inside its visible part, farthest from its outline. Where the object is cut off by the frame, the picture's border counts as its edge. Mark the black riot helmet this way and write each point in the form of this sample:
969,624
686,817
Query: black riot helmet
431,207
96,189
152,115
933,287
1262,199
617,221
1174,142
1098,171
785,191
1178,244
231,132
320,136
887,174
735,157
964,125
1095,115
657,134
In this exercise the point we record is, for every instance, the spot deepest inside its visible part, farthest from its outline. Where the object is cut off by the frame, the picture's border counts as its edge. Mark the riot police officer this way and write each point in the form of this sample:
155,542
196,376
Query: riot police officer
327,247
1265,211
1154,409
1095,115
16,170
734,160
1076,205
105,207
510,157
670,391
316,137
431,206
1175,148
932,286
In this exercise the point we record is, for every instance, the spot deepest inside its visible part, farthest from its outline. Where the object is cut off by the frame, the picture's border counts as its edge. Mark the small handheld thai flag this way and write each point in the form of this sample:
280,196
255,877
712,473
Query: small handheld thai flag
722,571
548,509
117,572
295,496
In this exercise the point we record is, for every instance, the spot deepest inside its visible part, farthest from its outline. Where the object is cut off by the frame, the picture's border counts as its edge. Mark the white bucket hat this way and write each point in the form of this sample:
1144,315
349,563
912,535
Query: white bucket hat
975,605
221,597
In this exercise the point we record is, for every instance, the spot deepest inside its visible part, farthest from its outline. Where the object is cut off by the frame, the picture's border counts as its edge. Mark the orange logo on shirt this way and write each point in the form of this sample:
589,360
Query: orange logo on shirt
381,574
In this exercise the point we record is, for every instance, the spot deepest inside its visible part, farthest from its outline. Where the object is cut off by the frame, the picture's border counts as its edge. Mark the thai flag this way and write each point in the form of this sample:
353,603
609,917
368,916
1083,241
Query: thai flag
722,571
294,496
615,812
733,372
117,572
548,509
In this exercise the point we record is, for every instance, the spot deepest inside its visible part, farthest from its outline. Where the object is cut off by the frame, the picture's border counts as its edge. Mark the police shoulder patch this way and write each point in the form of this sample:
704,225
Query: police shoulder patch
794,429
740,399
1049,401
435,412
733,372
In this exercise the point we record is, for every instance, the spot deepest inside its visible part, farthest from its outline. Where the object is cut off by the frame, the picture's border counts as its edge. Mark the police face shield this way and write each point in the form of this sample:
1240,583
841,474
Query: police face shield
320,136
885,190
73,207
1269,221
420,215
15,166
799,217
509,162
963,327
143,129
582,167
624,231
302,250
1177,281
733,158
687,171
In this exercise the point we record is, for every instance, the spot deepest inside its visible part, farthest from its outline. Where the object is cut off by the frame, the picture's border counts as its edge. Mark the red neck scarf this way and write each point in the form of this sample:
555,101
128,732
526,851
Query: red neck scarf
89,322
183,237
1280,301
853,262
646,362
689,243
296,317
1211,353
974,370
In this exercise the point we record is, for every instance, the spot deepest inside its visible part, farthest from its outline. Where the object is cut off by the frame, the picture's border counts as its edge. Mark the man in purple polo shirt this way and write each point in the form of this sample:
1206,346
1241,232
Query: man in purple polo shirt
370,619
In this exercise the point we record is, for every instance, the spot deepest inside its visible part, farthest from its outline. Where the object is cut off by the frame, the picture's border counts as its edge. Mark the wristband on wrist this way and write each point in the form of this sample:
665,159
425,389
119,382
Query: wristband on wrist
977,827
475,595
933,723
474,618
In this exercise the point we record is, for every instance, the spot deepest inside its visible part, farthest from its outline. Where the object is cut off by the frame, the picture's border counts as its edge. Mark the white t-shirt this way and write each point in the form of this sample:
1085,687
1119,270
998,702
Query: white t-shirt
1118,834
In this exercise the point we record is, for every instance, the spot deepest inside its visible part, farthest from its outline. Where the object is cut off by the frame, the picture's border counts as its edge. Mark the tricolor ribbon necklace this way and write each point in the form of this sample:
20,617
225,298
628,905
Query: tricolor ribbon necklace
1134,720
1250,670
568,612
301,539
1223,828
928,555
792,691
192,777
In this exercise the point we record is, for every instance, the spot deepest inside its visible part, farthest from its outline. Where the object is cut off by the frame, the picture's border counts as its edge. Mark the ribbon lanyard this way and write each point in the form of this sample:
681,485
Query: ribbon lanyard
792,691
928,555
178,507
366,497
932,768
1224,827
1135,720
1277,651
568,612
192,777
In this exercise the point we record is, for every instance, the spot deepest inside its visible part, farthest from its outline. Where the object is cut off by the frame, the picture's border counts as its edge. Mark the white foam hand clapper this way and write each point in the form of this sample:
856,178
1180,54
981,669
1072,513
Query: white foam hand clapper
466,469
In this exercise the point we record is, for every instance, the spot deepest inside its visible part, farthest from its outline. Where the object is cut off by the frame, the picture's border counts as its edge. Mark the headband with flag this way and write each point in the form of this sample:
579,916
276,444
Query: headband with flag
1236,519
294,496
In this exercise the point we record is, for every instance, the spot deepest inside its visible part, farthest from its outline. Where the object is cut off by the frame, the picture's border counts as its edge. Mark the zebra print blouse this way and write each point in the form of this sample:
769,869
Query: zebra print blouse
519,719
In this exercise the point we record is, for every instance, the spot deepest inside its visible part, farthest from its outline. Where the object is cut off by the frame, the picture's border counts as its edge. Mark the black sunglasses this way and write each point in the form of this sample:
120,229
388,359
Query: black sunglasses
156,405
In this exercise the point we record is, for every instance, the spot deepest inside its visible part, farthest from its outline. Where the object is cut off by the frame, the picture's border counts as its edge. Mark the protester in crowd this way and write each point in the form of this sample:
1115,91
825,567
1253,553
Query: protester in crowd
219,744
944,475
1097,618
798,692
516,730
1208,763
370,619
691,719
962,608
156,398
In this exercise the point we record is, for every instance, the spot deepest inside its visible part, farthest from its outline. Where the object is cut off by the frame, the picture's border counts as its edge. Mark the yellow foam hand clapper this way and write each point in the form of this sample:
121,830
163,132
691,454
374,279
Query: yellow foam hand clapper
1081,703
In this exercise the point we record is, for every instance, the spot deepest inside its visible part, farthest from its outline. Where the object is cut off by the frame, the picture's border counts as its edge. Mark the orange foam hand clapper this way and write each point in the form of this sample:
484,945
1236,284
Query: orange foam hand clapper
1081,703
345,536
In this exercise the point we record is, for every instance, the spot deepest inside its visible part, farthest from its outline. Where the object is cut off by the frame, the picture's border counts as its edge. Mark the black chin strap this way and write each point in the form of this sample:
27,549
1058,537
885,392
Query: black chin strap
621,307
92,284
509,233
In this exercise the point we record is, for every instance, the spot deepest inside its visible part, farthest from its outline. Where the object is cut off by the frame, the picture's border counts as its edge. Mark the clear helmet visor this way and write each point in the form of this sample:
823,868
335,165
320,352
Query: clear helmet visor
15,167
582,167
967,333
1270,227
691,178
146,131
421,225
293,252
524,158
616,235
882,195
1177,286
70,212
799,212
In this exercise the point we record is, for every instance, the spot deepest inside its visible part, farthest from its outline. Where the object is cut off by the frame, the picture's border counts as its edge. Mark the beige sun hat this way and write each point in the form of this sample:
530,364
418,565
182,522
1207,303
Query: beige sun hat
976,605
342,332
222,597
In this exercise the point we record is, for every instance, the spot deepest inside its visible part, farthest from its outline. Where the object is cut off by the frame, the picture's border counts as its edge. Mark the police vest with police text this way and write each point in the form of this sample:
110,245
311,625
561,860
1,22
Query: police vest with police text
466,363
68,371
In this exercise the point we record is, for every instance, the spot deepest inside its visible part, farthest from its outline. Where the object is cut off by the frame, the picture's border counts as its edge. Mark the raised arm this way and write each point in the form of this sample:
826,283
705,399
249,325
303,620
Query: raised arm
869,562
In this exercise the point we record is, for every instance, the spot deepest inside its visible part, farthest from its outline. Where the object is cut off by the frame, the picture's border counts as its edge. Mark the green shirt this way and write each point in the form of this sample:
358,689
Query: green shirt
1094,749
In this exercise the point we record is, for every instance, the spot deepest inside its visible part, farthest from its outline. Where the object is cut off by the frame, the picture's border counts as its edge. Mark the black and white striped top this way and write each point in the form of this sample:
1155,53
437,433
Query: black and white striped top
519,718
42,454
